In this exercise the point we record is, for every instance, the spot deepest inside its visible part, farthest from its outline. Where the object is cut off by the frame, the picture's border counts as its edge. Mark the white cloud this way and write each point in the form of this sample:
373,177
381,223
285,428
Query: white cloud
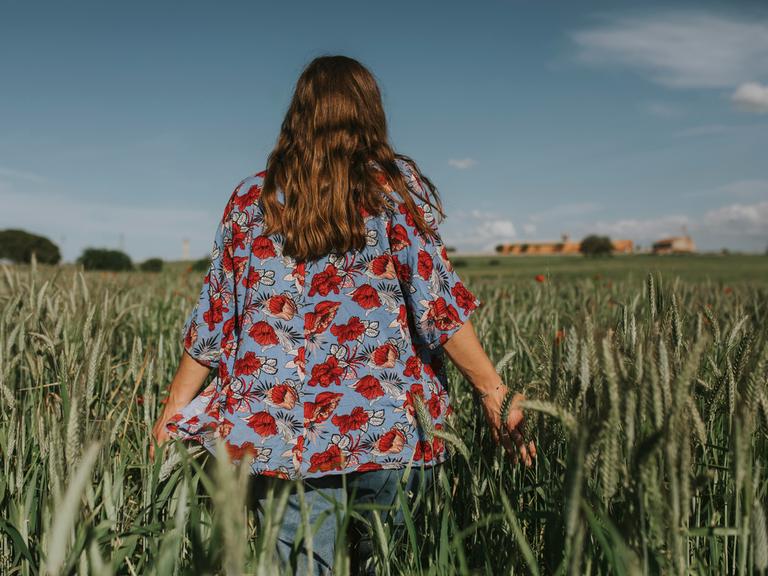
746,188
640,229
462,163
738,220
751,96
681,49
529,228
478,230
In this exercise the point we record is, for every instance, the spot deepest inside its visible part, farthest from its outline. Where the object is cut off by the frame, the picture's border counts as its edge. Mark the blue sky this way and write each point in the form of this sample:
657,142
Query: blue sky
129,124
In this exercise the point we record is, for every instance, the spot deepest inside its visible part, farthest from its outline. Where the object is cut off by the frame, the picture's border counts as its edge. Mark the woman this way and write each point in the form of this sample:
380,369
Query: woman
328,304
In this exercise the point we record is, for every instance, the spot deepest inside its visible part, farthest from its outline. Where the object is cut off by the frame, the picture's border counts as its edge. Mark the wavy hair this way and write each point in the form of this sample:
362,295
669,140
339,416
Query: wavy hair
332,158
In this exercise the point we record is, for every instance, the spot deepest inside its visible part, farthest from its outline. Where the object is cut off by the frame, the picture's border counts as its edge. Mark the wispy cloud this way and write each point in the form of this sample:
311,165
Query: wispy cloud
680,49
462,163
561,211
752,97
478,229
11,174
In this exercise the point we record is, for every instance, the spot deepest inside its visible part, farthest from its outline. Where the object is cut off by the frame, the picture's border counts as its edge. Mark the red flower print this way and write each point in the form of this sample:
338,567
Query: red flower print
353,421
248,364
225,427
369,387
215,313
398,237
325,282
464,298
443,315
413,367
281,306
263,248
416,390
391,442
331,459
283,396
433,405
326,373
366,297
239,452
425,265
385,355
382,267
263,423
318,411
403,270
423,451
253,278
352,330
317,321
263,333
250,197
368,466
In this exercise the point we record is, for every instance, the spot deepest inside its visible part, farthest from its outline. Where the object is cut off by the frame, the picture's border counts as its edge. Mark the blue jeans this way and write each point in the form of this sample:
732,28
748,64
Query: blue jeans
327,497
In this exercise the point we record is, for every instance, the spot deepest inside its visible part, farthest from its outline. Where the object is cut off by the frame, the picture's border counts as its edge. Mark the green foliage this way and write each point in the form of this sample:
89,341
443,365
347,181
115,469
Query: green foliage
594,245
105,259
202,264
152,265
18,246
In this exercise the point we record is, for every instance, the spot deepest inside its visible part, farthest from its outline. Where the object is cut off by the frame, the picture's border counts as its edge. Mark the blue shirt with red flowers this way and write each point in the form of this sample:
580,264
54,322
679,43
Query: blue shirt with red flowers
317,363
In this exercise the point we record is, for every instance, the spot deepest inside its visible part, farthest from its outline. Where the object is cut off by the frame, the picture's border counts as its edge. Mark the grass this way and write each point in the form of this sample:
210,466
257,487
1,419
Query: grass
648,401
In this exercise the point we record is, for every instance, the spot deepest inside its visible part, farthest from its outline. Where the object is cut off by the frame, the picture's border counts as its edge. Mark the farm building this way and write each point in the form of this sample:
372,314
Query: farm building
565,246
674,245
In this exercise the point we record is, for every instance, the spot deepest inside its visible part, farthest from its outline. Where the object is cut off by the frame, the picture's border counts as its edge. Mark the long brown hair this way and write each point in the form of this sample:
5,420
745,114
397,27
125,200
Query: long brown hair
334,127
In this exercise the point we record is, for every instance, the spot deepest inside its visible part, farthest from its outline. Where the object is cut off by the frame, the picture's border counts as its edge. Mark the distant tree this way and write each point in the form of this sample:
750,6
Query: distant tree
104,259
202,264
499,248
152,265
18,246
594,245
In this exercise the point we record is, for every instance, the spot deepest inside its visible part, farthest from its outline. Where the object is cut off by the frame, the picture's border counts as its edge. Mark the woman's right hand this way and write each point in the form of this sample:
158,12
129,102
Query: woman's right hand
511,433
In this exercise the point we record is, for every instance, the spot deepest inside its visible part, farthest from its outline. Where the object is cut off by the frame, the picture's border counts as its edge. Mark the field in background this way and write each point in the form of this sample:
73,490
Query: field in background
649,404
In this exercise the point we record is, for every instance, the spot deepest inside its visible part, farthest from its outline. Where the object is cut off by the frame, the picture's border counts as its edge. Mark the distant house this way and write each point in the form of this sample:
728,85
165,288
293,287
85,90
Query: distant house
674,245
565,246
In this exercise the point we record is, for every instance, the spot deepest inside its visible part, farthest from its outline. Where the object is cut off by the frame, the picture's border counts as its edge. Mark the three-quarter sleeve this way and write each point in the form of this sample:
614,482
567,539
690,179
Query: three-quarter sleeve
211,319
437,300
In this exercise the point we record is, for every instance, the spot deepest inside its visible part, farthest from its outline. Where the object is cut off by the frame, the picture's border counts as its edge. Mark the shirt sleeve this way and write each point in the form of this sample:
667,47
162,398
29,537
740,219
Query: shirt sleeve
212,316
436,298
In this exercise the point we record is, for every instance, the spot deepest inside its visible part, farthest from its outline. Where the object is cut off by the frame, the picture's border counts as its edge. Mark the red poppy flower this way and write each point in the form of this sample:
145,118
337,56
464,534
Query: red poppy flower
325,282
281,306
263,423
413,367
403,270
318,320
263,333
249,363
464,298
283,395
391,442
326,373
369,387
352,421
398,237
425,264
382,267
349,331
385,355
443,315
366,297
323,406
423,451
331,459
239,452
540,278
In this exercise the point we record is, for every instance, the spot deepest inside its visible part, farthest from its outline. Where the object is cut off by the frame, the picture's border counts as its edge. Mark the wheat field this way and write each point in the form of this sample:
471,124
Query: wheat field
648,401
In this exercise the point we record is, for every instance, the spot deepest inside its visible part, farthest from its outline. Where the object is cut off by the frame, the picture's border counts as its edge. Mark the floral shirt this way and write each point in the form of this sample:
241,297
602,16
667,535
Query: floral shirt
318,362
